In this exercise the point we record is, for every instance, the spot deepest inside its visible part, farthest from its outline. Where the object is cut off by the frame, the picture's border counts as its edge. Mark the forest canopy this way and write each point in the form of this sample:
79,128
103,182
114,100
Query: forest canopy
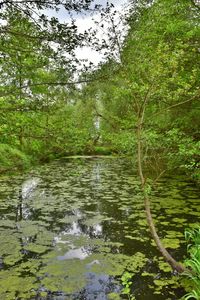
45,113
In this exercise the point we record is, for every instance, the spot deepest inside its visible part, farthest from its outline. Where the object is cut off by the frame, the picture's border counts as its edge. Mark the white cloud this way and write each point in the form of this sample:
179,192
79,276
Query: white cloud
85,22
86,53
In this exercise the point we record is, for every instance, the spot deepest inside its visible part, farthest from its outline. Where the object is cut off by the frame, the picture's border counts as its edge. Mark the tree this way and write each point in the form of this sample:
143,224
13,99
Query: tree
62,37
40,106
153,87
22,61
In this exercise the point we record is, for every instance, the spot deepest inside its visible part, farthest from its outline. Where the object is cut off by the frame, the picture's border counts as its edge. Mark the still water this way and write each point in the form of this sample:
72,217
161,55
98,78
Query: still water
71,229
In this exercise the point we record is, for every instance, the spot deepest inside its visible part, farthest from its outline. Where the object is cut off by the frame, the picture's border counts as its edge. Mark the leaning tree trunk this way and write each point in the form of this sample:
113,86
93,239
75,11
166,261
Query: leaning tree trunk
168,258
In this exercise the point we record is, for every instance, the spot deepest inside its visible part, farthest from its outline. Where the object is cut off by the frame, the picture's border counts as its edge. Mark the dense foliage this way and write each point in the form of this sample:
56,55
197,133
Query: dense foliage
193,262
160,71
40,110
43,114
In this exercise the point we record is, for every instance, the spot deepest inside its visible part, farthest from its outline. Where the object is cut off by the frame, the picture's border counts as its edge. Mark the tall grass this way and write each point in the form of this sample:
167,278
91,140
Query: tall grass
193,263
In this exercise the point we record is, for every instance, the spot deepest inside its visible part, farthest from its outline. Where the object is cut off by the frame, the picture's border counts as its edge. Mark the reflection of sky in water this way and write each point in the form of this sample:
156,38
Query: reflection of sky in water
74,229
80,253
97,229
98,287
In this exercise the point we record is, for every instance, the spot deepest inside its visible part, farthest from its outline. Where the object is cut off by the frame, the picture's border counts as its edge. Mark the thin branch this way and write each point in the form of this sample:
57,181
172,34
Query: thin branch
104,118
29,15
174,105
64,83
19,33
158,177
143,106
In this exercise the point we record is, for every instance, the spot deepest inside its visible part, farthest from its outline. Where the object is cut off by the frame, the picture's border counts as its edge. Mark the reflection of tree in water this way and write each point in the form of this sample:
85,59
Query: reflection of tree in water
19,210
23,210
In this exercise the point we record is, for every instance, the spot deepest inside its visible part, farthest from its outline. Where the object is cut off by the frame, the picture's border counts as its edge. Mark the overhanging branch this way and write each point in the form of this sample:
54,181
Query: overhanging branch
61,83
195,97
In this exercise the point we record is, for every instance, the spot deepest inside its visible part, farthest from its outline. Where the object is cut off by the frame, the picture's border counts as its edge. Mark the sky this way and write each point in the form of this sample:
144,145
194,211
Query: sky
62,15
86,21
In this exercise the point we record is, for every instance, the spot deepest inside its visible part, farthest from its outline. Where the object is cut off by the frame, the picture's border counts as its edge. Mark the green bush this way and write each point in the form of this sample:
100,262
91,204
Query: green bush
120,142
12,158
101,150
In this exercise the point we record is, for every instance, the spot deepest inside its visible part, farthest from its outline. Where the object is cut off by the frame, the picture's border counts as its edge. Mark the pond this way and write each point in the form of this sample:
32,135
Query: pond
72,228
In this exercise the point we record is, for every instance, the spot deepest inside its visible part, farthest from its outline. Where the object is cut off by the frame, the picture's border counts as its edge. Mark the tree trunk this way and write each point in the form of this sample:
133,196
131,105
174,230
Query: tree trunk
168,258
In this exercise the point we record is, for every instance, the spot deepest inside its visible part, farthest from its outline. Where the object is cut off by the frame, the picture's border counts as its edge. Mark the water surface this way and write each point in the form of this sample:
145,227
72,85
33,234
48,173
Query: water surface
70,229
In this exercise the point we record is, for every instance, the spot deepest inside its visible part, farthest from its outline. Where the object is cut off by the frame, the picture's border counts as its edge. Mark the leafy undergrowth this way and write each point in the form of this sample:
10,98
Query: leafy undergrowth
193,263
12,159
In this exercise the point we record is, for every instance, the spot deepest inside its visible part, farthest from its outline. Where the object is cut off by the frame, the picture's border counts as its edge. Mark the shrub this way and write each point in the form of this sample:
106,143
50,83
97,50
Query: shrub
12,158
